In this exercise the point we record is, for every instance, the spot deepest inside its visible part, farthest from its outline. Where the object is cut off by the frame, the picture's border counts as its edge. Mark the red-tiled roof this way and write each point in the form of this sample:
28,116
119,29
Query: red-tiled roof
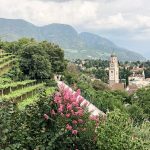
117,86
132,89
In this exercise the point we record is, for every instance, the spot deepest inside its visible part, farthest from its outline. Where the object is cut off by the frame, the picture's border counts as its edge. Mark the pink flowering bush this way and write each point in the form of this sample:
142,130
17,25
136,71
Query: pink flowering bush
67,106
69,112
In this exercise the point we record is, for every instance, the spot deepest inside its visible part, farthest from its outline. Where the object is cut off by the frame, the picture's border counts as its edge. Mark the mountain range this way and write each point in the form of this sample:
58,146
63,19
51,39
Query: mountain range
76,45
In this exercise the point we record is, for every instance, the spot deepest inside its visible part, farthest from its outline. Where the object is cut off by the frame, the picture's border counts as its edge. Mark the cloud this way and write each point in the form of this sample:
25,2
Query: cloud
89,14
39,12
115,19
60,1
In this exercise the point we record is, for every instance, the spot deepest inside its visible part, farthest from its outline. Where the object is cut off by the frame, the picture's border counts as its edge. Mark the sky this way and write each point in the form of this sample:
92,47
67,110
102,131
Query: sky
125,22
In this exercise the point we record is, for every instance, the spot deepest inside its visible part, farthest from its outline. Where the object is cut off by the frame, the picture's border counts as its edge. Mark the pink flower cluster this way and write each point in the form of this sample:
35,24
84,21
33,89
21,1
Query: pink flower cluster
94,118
69,108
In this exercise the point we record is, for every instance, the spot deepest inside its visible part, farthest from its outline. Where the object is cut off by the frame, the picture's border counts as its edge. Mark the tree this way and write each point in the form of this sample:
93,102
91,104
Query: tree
55,56
34,62
71,74
124,74
101,74
147,72
38,60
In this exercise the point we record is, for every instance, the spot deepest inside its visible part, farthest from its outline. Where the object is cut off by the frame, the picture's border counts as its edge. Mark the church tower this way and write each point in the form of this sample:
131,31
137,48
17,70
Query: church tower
113,70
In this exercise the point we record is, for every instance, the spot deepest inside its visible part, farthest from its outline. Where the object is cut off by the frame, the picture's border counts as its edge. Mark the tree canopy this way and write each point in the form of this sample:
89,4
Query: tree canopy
38,60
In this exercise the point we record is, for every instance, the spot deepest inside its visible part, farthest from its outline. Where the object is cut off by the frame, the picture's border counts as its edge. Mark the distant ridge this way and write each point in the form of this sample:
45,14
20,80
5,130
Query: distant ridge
76,45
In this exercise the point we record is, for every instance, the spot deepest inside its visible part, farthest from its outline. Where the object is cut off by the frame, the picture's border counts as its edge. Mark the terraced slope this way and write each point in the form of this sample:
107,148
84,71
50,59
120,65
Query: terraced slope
21,93
6,62
31,100
18,91
7,88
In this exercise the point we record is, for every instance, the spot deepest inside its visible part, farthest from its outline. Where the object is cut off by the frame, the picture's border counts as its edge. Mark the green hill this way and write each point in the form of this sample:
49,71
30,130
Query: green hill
76,45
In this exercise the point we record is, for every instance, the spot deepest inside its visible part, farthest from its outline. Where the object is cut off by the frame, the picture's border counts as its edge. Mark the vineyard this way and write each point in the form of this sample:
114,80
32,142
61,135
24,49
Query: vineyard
6,62
21,93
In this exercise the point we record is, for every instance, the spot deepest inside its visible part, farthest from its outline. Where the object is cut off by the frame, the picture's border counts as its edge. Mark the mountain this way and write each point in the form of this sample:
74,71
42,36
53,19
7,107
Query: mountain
76,45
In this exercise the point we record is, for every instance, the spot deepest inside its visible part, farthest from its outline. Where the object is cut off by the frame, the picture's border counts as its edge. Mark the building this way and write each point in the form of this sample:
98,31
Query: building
113,70
114,82
138,78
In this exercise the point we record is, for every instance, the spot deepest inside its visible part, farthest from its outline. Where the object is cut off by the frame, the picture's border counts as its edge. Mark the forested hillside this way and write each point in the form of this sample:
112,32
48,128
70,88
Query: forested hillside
76,45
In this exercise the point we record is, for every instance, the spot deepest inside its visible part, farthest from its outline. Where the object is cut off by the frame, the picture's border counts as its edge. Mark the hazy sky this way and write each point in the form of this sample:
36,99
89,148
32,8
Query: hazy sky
126,22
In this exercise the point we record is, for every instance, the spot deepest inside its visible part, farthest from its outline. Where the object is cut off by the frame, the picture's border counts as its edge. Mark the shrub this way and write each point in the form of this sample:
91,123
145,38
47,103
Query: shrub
117,133
72,121
143,132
